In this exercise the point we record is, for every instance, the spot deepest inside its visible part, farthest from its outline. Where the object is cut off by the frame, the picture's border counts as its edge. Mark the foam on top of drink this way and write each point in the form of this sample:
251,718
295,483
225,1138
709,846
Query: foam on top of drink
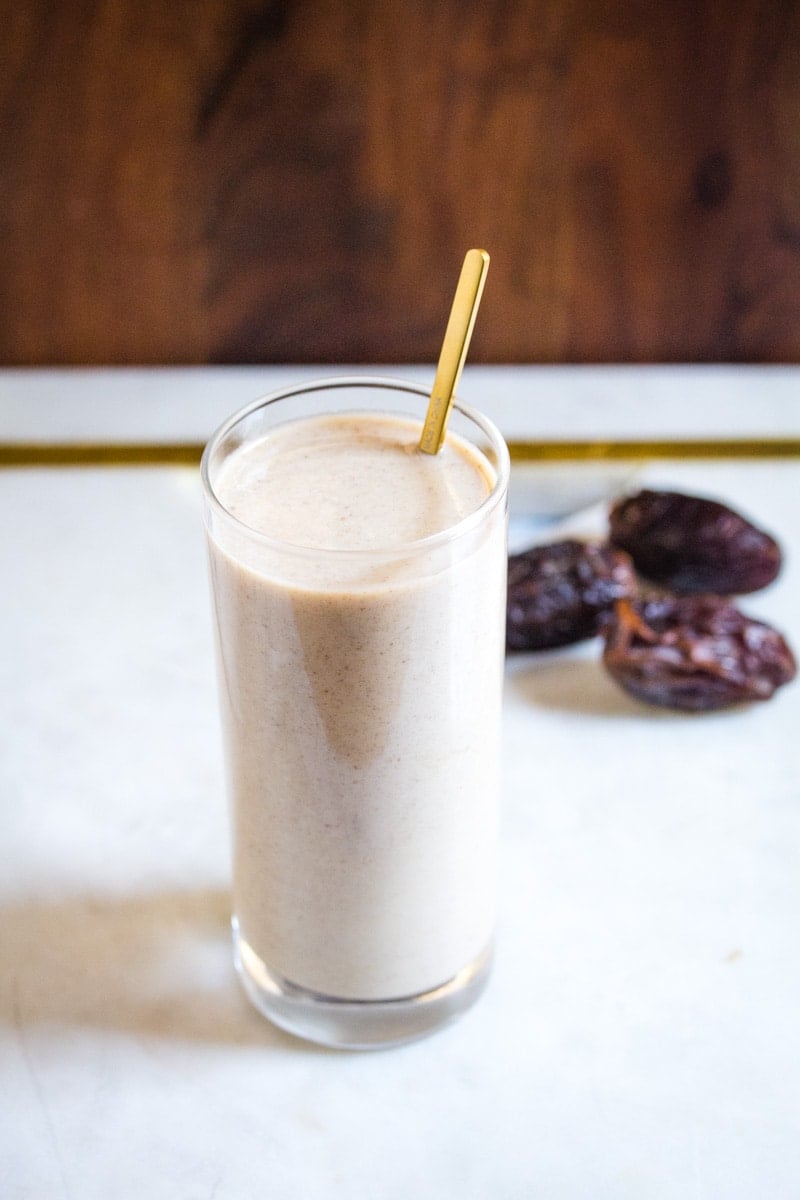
352,481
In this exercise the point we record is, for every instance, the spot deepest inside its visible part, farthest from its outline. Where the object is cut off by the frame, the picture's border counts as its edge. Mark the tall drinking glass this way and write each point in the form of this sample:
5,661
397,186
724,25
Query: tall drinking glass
359,599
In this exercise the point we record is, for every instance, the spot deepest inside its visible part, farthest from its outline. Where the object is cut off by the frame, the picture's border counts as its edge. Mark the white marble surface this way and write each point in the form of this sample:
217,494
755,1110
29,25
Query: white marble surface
546,402
640,1036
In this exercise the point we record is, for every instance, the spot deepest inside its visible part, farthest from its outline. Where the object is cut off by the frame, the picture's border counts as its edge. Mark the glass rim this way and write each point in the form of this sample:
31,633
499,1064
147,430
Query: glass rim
431,541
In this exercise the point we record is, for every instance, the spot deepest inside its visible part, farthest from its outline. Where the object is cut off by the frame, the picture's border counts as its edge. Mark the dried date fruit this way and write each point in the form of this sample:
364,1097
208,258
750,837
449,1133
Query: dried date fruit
691,544
561,592
694,652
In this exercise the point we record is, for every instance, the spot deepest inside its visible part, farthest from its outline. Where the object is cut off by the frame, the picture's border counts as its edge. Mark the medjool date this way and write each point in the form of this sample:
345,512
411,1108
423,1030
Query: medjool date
691,544
694,652
561,592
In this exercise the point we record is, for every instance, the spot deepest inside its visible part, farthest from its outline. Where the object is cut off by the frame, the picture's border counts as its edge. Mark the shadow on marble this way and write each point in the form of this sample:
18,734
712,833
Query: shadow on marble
151,965
575,685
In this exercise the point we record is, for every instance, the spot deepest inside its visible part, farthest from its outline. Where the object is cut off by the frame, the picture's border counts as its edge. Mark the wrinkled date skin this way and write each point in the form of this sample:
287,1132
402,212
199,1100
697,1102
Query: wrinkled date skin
561,592
694,652
690,544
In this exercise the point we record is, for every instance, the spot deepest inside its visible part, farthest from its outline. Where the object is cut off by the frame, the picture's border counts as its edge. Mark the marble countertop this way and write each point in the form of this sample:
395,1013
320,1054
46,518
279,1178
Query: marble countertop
640,1034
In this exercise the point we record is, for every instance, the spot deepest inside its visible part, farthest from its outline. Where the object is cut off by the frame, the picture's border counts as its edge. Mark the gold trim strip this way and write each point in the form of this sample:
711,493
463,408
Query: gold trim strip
560,451
187,454
99,454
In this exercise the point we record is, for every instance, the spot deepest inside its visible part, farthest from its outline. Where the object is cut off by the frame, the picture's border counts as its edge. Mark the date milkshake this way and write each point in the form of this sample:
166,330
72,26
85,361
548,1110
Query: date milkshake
359,592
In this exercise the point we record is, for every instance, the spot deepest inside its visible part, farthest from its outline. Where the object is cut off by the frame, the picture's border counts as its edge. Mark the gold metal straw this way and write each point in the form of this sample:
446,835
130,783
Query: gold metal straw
454,348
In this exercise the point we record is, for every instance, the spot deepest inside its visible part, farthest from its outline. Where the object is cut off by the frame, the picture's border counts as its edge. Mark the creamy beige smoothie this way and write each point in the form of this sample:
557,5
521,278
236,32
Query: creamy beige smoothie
360,653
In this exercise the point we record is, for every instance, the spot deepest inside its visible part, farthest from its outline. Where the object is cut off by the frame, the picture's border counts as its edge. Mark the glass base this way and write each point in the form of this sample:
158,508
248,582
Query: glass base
356,1024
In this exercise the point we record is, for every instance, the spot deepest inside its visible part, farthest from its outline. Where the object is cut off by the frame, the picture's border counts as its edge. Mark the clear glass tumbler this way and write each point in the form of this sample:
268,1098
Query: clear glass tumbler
361,700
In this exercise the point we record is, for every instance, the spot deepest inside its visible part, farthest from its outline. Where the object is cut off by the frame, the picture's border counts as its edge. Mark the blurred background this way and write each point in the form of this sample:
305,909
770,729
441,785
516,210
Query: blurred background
220,181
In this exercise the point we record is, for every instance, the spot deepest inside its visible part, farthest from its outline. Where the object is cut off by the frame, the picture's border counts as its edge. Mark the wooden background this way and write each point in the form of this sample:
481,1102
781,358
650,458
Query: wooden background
192,181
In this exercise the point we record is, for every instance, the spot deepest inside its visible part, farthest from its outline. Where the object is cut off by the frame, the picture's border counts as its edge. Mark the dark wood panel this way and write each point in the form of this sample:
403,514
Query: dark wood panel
212,181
